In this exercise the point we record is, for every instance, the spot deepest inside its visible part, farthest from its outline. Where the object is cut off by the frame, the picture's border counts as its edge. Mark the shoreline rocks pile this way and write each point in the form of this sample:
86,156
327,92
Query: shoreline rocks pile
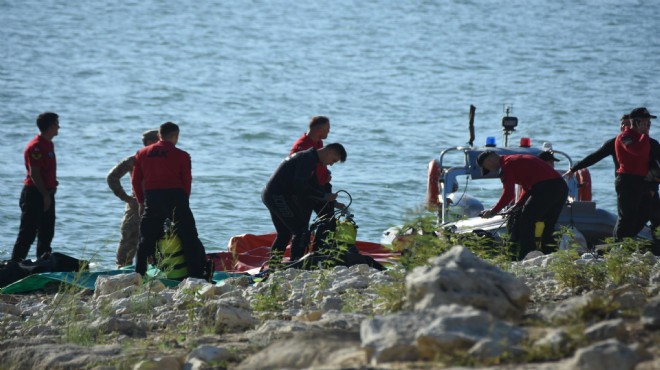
457,310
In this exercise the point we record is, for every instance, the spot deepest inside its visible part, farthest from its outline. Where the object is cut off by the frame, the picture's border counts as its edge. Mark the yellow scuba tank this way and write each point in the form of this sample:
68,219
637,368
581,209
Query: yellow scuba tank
346,231
169,254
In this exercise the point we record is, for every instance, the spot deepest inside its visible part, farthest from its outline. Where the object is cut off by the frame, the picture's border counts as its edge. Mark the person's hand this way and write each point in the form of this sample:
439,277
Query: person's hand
339,205
131,201
486,213
141,209
569,174
330,197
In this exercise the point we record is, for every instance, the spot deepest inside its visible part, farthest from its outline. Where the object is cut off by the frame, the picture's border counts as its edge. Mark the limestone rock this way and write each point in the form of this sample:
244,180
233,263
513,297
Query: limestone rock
651,314
111,283
458,276
607,355
332,350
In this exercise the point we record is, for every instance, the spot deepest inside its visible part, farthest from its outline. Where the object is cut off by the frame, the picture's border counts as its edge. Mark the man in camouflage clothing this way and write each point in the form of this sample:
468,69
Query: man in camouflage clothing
130,224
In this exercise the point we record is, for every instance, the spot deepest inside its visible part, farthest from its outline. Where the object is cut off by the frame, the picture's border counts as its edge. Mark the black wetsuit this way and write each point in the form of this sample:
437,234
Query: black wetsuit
289,195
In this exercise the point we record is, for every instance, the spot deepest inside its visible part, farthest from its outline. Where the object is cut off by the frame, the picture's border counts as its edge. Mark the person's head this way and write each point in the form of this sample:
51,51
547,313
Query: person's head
319,127
332,153
169,131
640,120
548,157
488,161
149,137
48,124
625,121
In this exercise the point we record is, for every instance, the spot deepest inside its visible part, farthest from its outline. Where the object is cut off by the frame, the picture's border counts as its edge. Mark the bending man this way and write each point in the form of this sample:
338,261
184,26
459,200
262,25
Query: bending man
545,195
289,190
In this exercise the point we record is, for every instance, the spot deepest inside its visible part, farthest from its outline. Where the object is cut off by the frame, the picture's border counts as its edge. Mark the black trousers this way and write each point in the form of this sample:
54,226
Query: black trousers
544,204
632,197
162,204
290,217
35,222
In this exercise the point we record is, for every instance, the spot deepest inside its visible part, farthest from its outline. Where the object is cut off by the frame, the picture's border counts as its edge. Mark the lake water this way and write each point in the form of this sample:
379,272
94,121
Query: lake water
242,79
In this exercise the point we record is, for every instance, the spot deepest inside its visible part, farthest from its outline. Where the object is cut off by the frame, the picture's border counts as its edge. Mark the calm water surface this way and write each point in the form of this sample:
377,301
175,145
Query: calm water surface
242,79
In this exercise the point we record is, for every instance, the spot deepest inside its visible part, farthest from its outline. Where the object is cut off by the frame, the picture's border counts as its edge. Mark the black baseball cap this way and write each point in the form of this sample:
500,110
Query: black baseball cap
480,161
548,155
641,112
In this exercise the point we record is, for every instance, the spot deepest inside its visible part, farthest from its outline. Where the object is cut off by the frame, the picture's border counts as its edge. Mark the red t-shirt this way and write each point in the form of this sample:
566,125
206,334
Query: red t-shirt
524,170
632,152
40,152
304,143
161,166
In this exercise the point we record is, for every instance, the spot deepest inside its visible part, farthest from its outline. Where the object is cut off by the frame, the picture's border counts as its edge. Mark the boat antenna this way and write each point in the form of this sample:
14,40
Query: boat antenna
471,123
508,123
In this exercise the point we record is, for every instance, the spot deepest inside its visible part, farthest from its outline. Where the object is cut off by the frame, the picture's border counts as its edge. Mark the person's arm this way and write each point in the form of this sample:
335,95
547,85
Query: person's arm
607,149
508,195
115,175
137,178
38,181
186,174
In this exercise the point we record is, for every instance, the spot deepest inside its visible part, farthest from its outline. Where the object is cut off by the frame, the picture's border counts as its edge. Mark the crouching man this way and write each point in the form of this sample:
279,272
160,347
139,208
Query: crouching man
545,195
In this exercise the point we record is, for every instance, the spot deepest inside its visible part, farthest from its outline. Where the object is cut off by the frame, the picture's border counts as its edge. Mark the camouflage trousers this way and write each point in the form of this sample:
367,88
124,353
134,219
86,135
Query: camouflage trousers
130,232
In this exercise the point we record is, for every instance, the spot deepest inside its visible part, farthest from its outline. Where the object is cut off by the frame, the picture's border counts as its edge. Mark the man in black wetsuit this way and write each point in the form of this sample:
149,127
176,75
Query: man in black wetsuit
289,192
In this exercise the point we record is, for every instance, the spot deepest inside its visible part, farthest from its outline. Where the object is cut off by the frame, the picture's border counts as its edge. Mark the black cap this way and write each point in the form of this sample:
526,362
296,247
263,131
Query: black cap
548,156
641,112
480,161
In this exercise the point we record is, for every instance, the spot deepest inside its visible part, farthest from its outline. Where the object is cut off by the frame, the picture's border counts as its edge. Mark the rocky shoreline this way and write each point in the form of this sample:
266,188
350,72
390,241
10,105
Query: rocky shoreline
459,312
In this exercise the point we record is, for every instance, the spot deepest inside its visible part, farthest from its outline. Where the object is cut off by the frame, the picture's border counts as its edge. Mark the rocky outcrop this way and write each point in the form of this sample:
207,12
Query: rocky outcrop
458,308
460,277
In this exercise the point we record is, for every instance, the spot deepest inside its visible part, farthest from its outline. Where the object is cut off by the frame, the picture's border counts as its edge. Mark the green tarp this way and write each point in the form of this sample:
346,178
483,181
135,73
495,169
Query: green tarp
87,280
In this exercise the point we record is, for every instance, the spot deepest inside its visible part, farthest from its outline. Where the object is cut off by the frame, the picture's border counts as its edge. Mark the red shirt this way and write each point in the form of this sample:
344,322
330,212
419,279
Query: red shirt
40,152
524,170
161,166
304,143
632,151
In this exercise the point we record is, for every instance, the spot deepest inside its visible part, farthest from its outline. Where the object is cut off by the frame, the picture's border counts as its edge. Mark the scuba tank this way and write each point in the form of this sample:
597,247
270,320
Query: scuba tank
169,254
345,231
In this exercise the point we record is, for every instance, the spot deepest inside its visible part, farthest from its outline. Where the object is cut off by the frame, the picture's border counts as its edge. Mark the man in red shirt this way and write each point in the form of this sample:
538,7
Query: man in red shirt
545,190
38,194
161,180
633,152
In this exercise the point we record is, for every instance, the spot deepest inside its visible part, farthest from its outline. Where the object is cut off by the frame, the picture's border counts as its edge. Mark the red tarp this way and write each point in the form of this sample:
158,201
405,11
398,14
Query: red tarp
248,252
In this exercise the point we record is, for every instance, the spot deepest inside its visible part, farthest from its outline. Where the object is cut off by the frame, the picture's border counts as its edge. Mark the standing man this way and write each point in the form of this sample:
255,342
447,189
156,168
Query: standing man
545,190
288,191
130,223
162,179
319,128
633,152
38,195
